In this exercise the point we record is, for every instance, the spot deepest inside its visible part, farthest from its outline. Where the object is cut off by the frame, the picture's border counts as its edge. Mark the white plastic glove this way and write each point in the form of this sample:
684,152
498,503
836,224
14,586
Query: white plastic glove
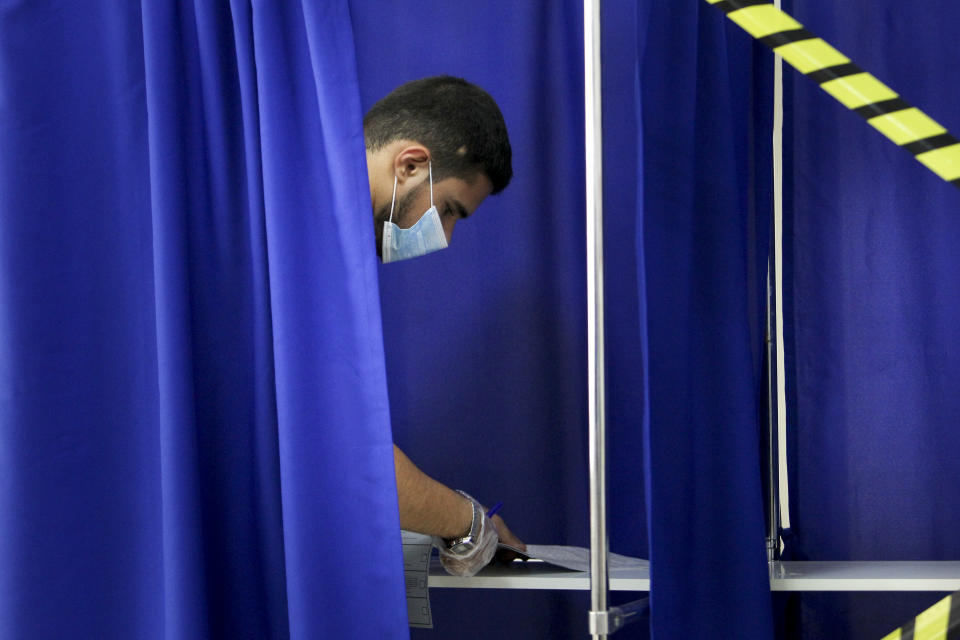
469,563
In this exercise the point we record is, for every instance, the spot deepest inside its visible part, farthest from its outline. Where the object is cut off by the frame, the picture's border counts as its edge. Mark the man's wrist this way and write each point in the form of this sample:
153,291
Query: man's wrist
469,513
470,533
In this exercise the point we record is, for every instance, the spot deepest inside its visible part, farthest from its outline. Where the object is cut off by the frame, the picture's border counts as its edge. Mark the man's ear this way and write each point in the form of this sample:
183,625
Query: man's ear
411,162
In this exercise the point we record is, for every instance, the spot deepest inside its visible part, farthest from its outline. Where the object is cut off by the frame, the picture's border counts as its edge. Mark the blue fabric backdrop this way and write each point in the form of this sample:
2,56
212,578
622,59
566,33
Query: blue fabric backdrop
194,426
875,320
485,341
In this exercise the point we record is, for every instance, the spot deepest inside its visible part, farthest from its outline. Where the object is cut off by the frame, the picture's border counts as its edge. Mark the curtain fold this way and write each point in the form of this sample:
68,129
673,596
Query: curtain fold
195,429
699,238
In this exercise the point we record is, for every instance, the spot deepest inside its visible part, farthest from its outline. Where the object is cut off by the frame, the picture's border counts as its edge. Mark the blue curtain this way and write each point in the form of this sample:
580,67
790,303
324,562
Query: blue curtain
874,325
194,425
701,248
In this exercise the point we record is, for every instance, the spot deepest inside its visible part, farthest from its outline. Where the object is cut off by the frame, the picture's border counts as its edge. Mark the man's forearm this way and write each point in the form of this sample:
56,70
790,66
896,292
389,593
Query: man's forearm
427,506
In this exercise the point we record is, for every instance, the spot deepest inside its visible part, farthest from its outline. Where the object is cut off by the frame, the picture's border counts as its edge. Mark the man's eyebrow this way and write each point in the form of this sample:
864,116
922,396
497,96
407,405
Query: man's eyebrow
461,211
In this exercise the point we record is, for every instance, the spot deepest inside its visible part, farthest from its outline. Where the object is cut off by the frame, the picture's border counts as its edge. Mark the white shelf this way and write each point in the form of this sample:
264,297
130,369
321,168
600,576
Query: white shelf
537,575
865,576
784,576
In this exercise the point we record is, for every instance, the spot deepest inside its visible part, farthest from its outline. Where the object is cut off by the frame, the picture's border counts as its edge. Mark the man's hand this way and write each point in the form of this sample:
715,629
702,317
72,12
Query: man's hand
505,556
467,557
506,536
427,506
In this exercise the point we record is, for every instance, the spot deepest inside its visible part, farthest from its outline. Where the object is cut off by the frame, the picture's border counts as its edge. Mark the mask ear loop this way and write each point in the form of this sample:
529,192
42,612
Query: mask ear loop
430,165
394,199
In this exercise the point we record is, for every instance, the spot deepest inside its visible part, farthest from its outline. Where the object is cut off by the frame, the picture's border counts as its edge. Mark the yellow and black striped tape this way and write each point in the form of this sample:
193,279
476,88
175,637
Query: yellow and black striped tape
854,88
939,622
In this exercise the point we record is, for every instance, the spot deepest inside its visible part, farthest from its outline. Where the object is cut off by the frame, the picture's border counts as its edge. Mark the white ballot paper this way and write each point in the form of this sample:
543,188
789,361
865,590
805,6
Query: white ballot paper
575,558
416,562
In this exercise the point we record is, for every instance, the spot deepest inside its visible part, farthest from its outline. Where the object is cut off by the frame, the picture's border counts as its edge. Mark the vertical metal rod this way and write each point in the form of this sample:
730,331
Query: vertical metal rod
782,495
598,618
773,320
773,530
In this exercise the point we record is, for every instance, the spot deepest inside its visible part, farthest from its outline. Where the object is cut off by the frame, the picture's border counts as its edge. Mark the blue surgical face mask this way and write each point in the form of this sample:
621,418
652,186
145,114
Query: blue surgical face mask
422,238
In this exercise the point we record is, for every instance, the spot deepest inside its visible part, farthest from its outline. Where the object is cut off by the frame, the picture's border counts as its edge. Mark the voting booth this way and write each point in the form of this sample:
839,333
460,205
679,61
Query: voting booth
727,281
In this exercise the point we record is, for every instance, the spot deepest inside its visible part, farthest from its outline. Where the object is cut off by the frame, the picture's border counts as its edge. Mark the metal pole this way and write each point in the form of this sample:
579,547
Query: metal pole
598,618
775,352
773,529
783,490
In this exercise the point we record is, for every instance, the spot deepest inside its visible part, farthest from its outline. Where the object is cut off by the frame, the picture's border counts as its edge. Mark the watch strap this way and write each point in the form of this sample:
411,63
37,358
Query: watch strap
465,543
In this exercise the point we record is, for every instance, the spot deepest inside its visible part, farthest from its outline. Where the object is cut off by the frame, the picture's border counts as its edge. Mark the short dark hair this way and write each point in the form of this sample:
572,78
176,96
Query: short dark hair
457,121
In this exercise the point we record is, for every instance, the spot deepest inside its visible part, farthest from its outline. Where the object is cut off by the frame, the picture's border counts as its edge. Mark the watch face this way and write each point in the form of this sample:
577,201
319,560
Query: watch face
461,548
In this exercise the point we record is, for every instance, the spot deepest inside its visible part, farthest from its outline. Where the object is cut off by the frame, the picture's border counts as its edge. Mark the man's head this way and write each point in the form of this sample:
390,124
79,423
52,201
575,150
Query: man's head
445,122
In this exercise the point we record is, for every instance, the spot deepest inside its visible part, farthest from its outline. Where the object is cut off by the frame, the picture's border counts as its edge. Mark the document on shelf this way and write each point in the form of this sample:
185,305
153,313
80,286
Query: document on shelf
574,558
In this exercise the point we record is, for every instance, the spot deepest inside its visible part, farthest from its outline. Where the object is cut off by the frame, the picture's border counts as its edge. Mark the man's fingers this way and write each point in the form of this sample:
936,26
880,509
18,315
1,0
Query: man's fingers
506,556
506,536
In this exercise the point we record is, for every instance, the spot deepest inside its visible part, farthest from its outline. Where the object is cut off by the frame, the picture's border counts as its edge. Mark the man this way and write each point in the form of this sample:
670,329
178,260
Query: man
436,148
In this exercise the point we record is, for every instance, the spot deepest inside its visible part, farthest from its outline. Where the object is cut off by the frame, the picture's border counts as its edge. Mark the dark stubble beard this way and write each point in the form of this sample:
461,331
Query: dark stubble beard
400,212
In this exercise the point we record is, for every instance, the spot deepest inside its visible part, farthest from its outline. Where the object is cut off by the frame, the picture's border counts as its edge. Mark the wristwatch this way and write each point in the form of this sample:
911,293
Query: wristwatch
466,543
